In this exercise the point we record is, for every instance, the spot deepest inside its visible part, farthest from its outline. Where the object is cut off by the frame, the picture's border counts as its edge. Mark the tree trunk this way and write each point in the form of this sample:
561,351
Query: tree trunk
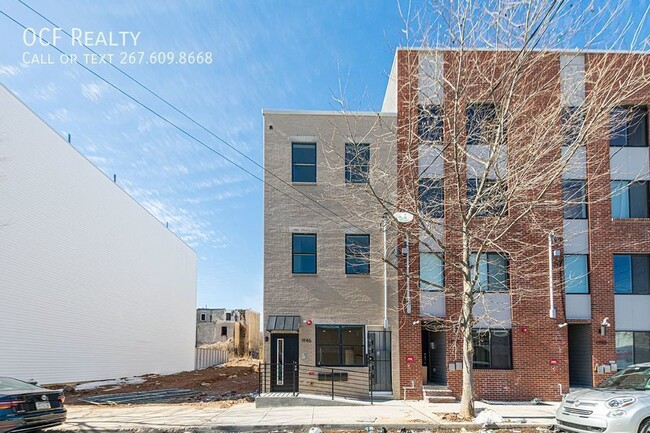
466,323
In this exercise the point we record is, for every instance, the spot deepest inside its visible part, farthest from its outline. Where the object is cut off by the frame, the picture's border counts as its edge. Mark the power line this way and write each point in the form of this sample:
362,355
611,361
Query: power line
188,134
192,120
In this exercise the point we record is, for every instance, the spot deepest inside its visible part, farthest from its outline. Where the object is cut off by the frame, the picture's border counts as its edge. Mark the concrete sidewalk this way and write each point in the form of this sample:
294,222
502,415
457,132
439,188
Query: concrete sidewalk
245,417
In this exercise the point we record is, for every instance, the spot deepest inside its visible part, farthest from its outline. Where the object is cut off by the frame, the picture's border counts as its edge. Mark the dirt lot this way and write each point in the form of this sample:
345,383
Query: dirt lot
232,381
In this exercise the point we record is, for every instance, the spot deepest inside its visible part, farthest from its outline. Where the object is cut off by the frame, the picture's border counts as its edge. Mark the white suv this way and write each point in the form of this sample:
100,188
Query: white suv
620,404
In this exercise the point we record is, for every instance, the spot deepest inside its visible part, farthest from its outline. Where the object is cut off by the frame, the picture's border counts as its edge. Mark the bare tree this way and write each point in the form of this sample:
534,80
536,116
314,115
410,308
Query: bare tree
490,115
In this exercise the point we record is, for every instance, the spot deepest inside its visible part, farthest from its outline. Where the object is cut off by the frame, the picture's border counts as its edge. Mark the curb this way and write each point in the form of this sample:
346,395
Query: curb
275,427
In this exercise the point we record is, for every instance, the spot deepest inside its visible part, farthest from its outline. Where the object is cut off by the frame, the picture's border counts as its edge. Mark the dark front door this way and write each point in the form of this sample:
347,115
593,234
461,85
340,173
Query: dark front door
379,348
580,373
284,356
437,368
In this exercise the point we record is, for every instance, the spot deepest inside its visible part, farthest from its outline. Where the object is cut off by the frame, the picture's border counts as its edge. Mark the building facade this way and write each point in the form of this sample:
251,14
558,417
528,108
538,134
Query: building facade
528,343
92,286
238,329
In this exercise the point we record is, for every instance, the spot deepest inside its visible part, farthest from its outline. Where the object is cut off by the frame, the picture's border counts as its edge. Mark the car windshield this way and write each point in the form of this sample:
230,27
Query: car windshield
9,384
630,378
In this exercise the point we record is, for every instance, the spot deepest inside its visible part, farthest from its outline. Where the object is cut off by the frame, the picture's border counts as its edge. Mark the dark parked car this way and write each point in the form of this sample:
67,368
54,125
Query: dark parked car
25,407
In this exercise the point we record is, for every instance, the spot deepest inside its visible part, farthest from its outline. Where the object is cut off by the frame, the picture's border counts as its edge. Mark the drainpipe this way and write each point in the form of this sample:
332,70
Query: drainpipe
408,273
551,311
384,227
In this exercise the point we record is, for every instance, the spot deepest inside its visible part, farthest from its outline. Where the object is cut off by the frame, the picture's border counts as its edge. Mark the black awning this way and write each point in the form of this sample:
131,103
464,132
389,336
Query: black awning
283,323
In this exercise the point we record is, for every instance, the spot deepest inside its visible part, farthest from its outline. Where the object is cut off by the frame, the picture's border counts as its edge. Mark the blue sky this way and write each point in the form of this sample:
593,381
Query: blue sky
266,54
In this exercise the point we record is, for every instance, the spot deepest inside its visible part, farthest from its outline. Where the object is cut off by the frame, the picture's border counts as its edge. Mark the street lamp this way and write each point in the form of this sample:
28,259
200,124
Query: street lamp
551,240
405,218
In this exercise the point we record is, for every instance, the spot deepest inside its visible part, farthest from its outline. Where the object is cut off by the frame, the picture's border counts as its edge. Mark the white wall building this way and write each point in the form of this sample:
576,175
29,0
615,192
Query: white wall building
92,286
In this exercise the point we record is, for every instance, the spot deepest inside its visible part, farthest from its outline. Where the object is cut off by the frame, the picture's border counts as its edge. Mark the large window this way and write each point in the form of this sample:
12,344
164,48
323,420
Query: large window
430,123
631,274
303,162
574,199
431,197
629,199
629,127
493,274
576,274
572,121
357,254
357,163
492,198
632,348
492,348
482,124
432,272
340,346
304,253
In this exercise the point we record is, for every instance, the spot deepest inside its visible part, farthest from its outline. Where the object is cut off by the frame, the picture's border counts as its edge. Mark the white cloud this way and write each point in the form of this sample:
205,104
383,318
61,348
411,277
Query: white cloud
9,70
93,91
61,115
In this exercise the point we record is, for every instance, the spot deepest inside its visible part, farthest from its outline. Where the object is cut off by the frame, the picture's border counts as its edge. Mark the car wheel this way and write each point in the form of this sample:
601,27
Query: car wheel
645,426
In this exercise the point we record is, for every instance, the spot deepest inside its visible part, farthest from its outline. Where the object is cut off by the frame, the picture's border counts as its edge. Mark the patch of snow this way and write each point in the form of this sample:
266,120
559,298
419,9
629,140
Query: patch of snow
117,382
488,416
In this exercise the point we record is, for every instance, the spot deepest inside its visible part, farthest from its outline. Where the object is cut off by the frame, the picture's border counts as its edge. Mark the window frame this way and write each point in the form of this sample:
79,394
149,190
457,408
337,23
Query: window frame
635,359
430,123
632,111
616,191
295,164
203,317
632,289
294,254
566,201
571,120
426,286
585,276
489,331
340,345
361,168
432,188
224,331
482,210
362,255
475,133
485,256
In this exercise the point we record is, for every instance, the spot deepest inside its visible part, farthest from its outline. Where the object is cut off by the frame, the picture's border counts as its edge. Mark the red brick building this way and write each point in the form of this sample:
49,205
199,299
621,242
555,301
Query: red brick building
600,252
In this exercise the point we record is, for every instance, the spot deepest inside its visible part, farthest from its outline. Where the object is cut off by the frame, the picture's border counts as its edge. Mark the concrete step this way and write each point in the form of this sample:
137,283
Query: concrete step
442,399
437,392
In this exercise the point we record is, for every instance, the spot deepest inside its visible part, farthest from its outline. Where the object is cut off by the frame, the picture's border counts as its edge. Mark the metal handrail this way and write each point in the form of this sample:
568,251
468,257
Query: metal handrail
324,380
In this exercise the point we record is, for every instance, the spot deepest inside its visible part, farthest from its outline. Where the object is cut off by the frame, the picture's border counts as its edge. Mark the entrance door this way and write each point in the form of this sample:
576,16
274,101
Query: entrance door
580,374
284,353
379,347
437,355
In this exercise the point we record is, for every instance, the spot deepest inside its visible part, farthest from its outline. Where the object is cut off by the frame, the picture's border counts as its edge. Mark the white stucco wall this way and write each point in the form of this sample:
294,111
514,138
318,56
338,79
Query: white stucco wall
92,286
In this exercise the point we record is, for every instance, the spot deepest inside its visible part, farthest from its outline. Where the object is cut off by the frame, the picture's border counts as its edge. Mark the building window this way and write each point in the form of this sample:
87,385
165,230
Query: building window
574,199
491,200
576,274
340,346
224,331
303,162
357,163
357,254
632,274
304,253
632,348
430,123
482,124
228,316
492,348
629,127
203,317
572,119
432,272
493,274
629,199
431,198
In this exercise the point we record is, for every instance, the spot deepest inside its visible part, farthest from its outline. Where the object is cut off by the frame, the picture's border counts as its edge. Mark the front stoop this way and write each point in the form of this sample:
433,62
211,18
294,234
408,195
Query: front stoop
438,394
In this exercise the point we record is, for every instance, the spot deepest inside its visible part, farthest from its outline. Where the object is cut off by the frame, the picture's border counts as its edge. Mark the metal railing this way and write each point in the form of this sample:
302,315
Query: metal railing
295,378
